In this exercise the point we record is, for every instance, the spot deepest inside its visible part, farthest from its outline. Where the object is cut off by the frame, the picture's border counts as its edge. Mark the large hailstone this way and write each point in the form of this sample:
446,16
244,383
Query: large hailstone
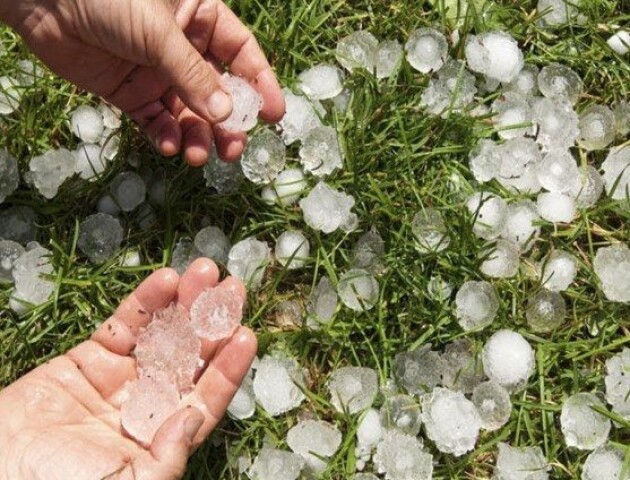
508,359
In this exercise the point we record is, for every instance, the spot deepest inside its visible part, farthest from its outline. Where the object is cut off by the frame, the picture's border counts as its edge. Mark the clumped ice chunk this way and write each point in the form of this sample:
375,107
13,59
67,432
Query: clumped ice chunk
557,80
264,157
388,58
292,249
495,55
353,389
452,90
87,123
545,311
10,251
597,127
462,368
50,170
401,412
620,42
217,313
287,188
273,464
401,457
326,209
477,304
616,170
558,271
128,190
358,289
169,346
277,384
9,174
313,439
485,160
248,260
183,255
605,463
300,118
612,266
246,103
90,162
100,236
556,12
512,115
322,303
556,207
558,171
212,243
556,122
526,82
618,383
17,223
10,95
418,371
451,421
320,153
224,177
521,224
369,434
111,116
508,360
489,214
321,82
589,189
152,400
243,405
520,158
427,50
430,231
502,261
357,50
493,404
583,427
368,252
28,272
524,463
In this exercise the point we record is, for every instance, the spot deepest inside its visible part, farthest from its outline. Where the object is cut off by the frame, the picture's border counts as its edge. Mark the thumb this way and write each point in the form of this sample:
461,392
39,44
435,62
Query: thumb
194,79
172,443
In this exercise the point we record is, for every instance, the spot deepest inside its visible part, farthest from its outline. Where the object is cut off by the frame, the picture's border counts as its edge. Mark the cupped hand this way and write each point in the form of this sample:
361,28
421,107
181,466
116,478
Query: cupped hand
158,60
62,420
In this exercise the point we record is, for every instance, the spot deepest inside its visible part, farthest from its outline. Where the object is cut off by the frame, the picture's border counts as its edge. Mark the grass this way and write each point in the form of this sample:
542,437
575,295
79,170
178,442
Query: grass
398,160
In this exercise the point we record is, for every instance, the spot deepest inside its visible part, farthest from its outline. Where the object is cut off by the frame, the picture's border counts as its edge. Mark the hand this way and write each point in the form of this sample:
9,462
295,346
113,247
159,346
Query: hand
62,420
157,60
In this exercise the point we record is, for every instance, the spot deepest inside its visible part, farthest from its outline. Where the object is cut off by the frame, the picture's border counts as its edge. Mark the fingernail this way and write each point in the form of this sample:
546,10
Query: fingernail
193,424
220,105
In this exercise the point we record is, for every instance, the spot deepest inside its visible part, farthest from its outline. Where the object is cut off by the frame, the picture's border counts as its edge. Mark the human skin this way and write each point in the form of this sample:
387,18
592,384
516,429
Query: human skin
62,420
157,60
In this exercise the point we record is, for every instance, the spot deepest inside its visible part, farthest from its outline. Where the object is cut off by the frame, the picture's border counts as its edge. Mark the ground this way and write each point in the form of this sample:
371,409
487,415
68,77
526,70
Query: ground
397,159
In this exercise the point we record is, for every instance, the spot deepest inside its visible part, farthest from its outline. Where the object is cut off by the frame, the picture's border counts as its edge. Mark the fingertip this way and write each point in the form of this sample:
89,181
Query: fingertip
196,156
274,106
246,342
205,268
235,284
230,145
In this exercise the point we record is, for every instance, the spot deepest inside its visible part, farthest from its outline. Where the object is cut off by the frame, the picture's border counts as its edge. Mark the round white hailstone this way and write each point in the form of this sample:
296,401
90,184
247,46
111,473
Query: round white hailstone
526,82
401,412
322,303
301,116
9,174
520,224
400,456
320,153
477,304
439,289
589,189
48,171
556,12
556,122
342,101
100,235
583,427
616,170
10,251
493,404
358,289
605,463
524,463
131,258
426,49
485,161
87,123
452,90
327,209
264,157
558,271
321,82
558,172
111,116
246,103
357,50
502,261
90,162
268,195
243,405
557,80
277,384
612,266
618,383
292,249
10,95
106,204
597,127
353,389
388,57
451,421
517,169
494,54
128,190
545,311
622,118
212,243
512,115
313,439
556,207
430,231
248,260
369,431
489,214
620,42
508,359
273,464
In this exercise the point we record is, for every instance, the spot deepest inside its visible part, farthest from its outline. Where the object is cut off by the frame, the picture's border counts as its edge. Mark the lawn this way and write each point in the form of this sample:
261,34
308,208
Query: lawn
397,160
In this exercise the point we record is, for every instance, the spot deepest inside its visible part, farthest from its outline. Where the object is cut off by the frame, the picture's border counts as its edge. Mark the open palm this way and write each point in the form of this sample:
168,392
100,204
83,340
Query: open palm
62,420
